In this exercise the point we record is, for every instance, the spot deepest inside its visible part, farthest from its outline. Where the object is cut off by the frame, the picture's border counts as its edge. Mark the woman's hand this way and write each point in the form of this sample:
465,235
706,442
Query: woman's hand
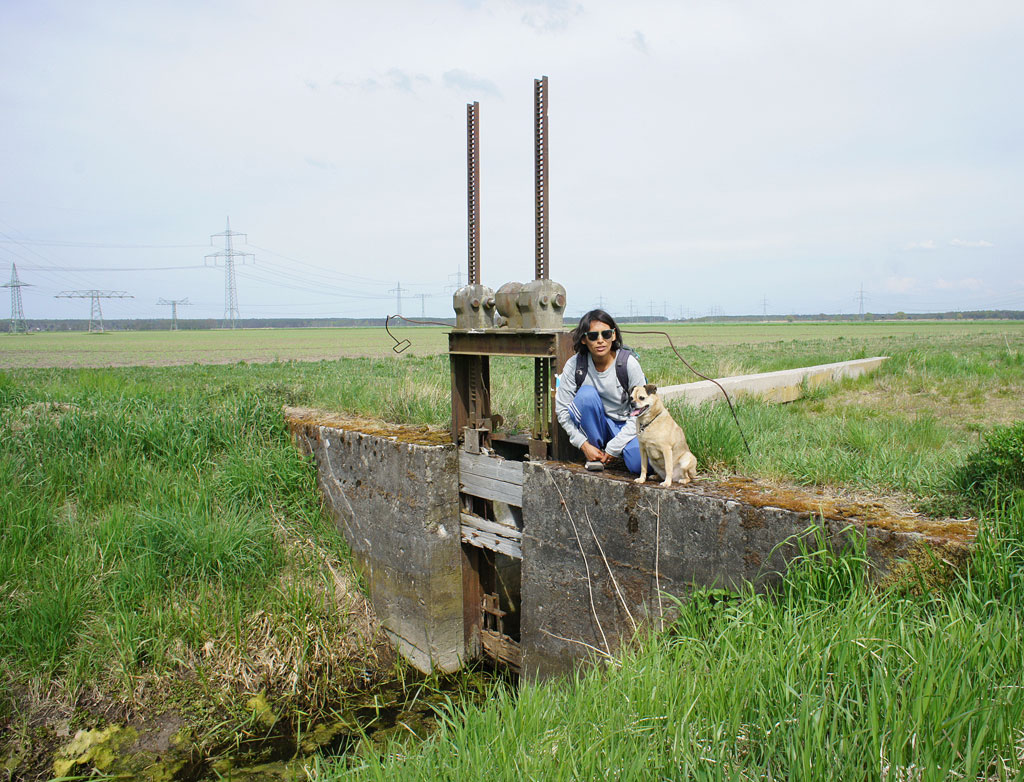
594,454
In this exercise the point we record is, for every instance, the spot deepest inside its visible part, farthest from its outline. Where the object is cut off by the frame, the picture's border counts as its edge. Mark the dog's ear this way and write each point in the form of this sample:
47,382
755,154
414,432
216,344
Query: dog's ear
651,388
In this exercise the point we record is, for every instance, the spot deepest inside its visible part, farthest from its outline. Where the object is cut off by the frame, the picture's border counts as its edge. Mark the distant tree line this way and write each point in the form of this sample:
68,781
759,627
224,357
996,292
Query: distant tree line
199,324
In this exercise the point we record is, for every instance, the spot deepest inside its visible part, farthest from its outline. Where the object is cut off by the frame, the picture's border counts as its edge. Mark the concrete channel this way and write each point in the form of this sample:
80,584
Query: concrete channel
573,563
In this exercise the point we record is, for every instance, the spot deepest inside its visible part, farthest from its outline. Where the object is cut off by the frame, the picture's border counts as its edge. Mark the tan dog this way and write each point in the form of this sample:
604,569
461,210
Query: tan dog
661,439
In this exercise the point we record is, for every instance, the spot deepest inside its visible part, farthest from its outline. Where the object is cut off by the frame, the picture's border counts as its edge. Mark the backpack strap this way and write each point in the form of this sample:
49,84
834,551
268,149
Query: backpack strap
581,369
621,372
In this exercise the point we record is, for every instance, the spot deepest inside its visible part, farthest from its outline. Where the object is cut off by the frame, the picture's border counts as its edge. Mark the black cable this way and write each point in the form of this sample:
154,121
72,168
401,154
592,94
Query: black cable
399,346
698,374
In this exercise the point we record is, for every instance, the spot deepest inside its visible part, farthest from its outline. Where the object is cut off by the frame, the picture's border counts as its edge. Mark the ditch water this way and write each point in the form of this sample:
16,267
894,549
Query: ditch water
365,725
274,749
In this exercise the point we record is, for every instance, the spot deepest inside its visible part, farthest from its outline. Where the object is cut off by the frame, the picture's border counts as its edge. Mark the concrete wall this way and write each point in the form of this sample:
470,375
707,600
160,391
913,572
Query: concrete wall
785,385
395,500
710,535
396,503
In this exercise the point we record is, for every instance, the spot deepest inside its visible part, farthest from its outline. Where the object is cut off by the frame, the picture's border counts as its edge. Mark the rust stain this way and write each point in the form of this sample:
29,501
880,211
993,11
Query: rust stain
304,418
749,518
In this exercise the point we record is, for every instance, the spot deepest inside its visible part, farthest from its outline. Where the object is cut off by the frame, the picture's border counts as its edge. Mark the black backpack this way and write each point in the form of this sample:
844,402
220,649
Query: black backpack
621,357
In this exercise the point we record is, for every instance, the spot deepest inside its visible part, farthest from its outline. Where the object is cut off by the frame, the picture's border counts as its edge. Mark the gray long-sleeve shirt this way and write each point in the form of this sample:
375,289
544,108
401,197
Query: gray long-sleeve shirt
608,388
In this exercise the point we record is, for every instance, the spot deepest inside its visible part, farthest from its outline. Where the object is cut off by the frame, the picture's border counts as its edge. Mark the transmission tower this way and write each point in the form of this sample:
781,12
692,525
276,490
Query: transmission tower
423,305
174,309
17,312
95,311
398,296
230,288
860,295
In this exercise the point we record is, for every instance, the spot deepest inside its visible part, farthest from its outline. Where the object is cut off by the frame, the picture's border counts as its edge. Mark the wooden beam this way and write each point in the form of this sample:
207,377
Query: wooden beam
502,648
490,534
491,478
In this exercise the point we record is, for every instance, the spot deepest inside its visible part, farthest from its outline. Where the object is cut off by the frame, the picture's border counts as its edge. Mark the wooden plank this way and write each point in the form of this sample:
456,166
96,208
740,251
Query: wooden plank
491,478
495,527
472,594
490,489
502,648
491,535
491,467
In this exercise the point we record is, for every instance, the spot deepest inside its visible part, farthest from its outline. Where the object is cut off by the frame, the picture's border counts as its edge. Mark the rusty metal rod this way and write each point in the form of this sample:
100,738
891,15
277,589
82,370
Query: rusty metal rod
540,144
473,188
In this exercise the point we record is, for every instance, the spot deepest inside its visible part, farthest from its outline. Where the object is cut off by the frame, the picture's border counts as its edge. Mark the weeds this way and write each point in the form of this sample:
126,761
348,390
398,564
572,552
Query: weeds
151,528
825,679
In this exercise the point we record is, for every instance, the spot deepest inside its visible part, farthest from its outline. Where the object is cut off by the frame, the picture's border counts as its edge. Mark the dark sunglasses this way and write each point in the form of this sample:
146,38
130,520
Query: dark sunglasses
606,334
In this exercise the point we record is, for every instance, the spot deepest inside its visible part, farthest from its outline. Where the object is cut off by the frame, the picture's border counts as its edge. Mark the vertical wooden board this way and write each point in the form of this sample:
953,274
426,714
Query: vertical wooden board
472,599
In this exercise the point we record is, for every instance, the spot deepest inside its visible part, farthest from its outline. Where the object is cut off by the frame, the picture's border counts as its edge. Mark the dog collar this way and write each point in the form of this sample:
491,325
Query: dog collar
640,428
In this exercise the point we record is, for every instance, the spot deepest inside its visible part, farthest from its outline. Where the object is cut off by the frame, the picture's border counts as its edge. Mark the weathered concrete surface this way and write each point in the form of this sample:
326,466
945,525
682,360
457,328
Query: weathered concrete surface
710,534
395,500
783,386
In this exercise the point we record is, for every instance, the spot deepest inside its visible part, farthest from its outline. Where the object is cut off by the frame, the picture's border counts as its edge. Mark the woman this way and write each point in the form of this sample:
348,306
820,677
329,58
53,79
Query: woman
596,414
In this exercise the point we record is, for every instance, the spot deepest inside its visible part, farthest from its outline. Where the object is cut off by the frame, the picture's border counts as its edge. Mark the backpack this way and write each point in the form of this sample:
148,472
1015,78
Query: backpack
621,357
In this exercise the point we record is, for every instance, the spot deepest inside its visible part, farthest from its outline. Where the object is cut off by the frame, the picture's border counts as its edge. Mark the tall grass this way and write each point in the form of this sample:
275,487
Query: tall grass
154,522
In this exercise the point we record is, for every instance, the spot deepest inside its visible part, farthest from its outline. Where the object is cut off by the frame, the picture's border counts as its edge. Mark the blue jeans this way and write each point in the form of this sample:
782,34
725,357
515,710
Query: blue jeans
587,412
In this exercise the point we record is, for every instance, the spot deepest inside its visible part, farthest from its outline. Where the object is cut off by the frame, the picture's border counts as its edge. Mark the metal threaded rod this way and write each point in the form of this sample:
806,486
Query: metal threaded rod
540,139
473,188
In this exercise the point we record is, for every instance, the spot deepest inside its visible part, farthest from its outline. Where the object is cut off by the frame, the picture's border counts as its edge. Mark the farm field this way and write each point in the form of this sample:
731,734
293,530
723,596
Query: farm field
165,547
171,348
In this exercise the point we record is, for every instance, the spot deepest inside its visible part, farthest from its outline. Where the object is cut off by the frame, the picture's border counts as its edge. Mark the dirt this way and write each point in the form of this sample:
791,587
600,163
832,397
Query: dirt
403,433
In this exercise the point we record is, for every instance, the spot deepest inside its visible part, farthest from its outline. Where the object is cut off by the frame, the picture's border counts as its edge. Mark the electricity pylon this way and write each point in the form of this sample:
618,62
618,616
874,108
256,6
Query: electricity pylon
95,311
174,309
17,312
398,297
230,288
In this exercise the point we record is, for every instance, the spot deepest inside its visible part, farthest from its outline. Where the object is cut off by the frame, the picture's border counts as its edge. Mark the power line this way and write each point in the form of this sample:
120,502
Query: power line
17,311
96,245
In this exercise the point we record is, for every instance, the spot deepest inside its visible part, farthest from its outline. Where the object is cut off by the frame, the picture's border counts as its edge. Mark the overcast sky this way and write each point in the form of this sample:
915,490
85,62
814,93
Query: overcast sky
705,155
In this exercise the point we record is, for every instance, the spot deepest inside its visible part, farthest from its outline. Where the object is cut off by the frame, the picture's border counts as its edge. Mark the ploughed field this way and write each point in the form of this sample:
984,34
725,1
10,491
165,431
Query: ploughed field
166,561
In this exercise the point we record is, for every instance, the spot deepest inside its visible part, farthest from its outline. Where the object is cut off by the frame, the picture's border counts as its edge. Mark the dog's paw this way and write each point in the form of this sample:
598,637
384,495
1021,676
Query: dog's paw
666,483
640,480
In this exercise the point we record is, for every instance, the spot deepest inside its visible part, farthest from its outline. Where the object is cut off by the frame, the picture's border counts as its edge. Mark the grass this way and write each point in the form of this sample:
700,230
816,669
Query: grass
228,346
160,527
159,524
824,680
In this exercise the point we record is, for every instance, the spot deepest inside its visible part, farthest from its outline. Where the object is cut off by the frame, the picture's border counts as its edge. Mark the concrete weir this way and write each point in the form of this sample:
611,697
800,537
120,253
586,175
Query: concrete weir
590,555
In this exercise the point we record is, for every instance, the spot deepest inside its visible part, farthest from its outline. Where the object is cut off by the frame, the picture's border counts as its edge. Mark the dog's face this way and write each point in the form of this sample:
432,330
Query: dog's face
643,399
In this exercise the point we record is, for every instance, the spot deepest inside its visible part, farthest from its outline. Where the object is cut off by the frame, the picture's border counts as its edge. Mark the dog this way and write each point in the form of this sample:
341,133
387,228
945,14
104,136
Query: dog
661,439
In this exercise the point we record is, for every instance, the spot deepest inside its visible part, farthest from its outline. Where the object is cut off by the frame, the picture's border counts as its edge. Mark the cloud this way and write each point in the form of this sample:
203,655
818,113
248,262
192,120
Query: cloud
392,79
458,79
323,165
311,84
549,16
639,41
965,284
900,284
928,244
965,243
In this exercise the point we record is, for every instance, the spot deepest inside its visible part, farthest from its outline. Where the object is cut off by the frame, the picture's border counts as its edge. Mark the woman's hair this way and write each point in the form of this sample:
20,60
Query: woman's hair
579,334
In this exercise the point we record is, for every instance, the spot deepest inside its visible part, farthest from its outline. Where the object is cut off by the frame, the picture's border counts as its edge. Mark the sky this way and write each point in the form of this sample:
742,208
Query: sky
706,156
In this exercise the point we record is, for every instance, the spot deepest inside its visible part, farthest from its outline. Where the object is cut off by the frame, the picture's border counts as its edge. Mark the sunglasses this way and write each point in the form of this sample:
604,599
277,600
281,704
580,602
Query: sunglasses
606,334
